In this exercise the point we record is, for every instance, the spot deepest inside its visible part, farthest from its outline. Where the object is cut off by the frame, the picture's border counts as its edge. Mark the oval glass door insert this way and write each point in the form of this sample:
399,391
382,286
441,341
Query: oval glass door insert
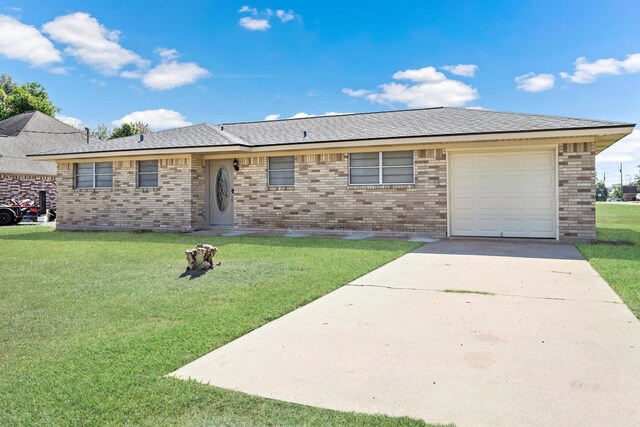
222,189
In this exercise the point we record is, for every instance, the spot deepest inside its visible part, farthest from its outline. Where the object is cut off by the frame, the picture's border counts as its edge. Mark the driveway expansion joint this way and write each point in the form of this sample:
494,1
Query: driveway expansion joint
490,294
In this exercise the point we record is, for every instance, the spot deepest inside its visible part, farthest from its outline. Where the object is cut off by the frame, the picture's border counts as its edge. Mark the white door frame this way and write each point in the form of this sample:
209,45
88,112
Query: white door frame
532,147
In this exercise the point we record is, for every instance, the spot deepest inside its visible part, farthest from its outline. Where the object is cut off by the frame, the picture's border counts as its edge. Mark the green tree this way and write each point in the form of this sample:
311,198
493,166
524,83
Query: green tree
27,97
129,129
602,192
616,191
100,132
7,84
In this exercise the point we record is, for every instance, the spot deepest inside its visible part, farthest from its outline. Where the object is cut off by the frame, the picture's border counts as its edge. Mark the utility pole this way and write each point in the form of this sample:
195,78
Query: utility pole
621,185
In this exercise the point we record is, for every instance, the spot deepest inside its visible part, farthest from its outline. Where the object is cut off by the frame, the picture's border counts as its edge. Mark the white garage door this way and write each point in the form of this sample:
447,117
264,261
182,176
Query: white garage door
503,194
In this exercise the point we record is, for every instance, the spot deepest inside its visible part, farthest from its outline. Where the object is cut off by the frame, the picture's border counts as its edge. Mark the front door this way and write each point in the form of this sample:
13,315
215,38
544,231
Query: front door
220,192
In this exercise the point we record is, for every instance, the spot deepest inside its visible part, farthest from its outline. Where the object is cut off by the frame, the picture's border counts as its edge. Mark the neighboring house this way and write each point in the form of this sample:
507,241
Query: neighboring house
28,133
438,171
629,193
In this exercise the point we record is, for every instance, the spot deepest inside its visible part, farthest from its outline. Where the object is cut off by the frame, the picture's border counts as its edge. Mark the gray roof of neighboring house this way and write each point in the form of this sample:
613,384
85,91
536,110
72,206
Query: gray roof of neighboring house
30,133
442,121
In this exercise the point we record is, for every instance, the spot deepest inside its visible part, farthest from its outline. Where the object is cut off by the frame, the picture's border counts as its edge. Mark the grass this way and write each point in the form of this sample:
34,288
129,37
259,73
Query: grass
616,255
91,322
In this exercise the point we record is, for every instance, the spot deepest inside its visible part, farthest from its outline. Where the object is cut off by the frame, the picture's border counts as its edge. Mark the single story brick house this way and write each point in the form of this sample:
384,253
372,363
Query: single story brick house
28,133
437,171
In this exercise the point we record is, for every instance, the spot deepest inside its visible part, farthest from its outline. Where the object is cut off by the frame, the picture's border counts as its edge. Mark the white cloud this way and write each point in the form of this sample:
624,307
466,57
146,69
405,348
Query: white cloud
272,117
247,9
92,43
156,119
253,24
587,72
426,74
464,70
167,54
284,15
131,74
625,150
58,70
476,107
259,20
532,82
356,93
429,88
25,43
173,74
301,115
71,121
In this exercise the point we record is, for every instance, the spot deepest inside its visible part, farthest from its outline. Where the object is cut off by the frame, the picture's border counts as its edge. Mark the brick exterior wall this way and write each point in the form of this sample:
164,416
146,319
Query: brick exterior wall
177,205
323,199
577,191
27,186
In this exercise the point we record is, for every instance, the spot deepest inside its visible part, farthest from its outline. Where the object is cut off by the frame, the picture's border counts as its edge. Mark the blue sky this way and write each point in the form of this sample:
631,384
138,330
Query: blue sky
174,63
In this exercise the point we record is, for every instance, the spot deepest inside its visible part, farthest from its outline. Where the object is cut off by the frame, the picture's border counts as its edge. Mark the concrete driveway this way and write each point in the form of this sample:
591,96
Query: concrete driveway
549,344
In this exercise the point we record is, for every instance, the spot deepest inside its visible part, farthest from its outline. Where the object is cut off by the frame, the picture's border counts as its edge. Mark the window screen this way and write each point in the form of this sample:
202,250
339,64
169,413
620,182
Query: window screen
94,175
281,171
389,167
148,174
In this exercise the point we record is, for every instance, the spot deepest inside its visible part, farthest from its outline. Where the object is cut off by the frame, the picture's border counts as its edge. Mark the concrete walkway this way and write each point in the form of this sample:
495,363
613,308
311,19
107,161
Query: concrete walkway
336,234
549,344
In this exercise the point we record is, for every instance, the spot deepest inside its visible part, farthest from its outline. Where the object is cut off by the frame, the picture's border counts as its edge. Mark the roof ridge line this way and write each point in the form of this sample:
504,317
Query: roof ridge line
334,115
231,137
33,114
482,110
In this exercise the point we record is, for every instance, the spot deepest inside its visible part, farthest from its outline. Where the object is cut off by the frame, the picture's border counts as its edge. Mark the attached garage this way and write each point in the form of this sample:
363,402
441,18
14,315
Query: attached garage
503,193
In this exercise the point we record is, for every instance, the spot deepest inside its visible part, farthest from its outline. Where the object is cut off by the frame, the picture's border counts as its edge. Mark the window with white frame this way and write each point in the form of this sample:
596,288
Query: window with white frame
281,171
94,175
387,167
148,174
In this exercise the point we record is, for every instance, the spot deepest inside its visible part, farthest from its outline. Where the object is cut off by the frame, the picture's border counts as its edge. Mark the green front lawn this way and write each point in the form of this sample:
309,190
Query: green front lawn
91,322
616,256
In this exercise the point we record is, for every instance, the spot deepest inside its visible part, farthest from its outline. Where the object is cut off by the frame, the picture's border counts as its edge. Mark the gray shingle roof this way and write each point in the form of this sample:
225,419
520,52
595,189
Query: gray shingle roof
202,135
30,133
379,125
401,124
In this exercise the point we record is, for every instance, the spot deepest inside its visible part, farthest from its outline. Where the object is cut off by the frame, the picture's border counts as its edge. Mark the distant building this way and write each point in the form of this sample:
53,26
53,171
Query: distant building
629,193
30,133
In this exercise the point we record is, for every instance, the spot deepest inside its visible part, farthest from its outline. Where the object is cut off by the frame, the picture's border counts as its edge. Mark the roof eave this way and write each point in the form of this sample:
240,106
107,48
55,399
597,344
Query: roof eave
604,137
139,152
